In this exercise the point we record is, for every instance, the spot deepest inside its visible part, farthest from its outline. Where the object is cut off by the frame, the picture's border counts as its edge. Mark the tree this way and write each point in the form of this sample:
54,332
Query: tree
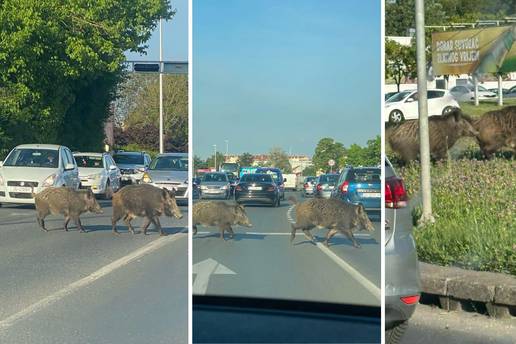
365,156
328,149
211,163
400,61
60,63
245,159
400,16
279,158
309,171
198,163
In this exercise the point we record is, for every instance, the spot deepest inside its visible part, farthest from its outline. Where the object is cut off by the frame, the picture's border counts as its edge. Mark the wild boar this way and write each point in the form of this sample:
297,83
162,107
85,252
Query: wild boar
333,214
219,214
496,130
143,200
444,131
67,202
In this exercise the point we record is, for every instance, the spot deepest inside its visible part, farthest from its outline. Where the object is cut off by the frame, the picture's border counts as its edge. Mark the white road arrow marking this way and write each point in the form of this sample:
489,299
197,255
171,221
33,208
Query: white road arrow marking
204,270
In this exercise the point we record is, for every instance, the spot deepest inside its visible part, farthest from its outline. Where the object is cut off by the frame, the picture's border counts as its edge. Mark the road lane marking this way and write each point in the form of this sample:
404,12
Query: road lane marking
204,270
289,214
370,286
71,288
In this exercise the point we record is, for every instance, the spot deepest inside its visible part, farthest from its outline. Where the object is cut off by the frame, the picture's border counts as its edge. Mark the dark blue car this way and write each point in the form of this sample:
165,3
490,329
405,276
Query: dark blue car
360,185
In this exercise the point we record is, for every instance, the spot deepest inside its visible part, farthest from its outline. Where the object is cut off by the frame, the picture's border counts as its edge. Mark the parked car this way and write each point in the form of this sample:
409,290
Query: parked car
404,105
466,93
277,176
402,281
132,165
511,92
389,94
361,185
33,167
215,185
325,184
99,173
258,188
308,186
495,90
170,171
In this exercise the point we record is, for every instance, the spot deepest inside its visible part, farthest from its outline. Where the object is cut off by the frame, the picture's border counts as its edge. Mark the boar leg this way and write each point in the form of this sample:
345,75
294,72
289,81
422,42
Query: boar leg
77,221
145,225
309,234
41,219
156,222
329,235
293,233
194,229
127,220
230,230
349,234
224,227
67,220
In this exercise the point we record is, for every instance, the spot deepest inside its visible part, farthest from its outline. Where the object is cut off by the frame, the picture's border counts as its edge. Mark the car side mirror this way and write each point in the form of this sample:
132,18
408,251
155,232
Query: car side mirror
409,100
112,168
69,167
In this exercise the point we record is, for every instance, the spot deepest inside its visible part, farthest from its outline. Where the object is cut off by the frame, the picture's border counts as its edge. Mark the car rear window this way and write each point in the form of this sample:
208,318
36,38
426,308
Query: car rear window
256,178
215,177
329,179
129,159
365,175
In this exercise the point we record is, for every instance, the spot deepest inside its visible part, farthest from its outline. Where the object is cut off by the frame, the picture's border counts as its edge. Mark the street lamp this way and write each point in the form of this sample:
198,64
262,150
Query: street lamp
215,156
161,146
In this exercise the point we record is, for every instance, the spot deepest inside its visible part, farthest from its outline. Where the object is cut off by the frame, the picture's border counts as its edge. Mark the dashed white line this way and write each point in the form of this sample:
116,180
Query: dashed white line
48,300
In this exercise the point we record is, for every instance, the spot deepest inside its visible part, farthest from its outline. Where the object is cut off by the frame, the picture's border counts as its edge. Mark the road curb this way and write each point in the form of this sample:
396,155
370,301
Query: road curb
454,286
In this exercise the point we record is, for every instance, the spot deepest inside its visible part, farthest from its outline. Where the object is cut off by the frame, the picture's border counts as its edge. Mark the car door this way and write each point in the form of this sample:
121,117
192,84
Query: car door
114,174
435,102
410,110
72,175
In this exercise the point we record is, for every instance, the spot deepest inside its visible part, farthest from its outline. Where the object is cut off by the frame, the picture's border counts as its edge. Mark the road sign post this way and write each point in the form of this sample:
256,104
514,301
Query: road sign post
331,163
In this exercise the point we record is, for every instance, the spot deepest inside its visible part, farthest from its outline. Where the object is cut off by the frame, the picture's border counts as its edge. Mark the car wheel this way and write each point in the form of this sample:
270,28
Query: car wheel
396,116
447,109
393,335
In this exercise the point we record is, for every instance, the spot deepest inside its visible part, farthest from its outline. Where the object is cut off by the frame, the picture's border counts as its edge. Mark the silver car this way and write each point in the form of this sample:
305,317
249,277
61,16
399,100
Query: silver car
325,184
170,171
33,167
99,173
402,283
132,165
215,185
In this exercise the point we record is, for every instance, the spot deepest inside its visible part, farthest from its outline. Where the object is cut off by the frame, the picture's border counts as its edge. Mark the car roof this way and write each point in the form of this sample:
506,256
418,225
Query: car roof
129,153
39,145
89,153
183,155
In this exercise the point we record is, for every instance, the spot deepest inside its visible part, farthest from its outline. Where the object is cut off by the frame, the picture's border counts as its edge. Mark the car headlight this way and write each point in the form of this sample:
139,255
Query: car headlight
146,178
225,187
50,180
203,187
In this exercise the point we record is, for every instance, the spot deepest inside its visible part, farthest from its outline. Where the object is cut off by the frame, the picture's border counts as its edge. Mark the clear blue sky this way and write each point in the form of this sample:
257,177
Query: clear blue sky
175,37
284,73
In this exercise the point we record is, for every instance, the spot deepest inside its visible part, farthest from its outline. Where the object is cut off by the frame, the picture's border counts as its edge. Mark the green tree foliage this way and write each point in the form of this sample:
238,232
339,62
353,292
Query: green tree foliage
245,159
211,163
400,16
365,156
328,149
60,63
279,158
400,61
199,163
309,171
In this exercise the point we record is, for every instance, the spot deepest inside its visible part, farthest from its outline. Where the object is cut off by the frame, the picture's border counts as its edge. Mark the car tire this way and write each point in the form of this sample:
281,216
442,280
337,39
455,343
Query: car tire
447,109
394,335
396,116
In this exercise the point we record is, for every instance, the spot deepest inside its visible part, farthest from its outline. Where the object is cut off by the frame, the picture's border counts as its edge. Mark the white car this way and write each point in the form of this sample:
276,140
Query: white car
466,93
404,105
98,172
34,167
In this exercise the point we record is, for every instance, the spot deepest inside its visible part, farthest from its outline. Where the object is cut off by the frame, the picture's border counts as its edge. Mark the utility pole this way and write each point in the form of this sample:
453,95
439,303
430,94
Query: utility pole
424,141
215,156
227,148
161,145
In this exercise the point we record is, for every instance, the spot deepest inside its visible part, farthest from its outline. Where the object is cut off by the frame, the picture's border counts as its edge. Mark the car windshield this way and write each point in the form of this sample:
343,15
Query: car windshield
28,157
89,161
398,97
256,178
170,163
128,159
365,175
215,177
330,179
229,167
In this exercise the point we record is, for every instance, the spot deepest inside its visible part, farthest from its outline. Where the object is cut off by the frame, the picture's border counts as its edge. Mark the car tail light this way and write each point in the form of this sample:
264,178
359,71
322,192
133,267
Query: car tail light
344,187
238,188
305,185
319,187
395,193
410,300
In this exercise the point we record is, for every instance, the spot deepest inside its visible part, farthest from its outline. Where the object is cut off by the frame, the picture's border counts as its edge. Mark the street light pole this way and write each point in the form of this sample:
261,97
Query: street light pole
424,140
227,148
161,146
215,156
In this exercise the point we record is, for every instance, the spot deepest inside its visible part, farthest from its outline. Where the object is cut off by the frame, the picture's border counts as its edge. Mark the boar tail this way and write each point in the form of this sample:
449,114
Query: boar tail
292,200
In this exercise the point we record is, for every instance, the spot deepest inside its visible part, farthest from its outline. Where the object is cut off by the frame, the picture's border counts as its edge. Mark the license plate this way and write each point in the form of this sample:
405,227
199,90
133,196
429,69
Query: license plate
212,191
25,189
255,188
331,187
371,195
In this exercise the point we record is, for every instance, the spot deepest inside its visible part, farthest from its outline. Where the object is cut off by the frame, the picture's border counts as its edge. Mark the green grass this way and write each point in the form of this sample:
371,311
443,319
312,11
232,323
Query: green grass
477,111
474,206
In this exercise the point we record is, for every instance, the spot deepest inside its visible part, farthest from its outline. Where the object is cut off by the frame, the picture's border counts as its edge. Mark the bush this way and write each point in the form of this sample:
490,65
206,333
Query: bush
473,204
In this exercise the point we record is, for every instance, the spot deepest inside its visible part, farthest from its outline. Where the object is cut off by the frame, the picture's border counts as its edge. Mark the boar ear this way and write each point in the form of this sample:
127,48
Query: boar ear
164,192
172,193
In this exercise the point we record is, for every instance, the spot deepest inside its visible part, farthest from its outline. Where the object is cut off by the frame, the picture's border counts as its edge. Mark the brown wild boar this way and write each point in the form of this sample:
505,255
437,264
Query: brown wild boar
333,214
67,202
496,130
219,214
143,200
444,131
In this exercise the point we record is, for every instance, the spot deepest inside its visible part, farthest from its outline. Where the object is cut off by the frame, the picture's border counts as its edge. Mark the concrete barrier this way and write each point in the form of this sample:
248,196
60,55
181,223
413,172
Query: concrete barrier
454,285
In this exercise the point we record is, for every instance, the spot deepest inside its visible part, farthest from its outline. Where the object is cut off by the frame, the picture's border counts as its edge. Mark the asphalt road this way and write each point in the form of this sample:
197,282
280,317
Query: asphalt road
95,287
431,325
261,262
